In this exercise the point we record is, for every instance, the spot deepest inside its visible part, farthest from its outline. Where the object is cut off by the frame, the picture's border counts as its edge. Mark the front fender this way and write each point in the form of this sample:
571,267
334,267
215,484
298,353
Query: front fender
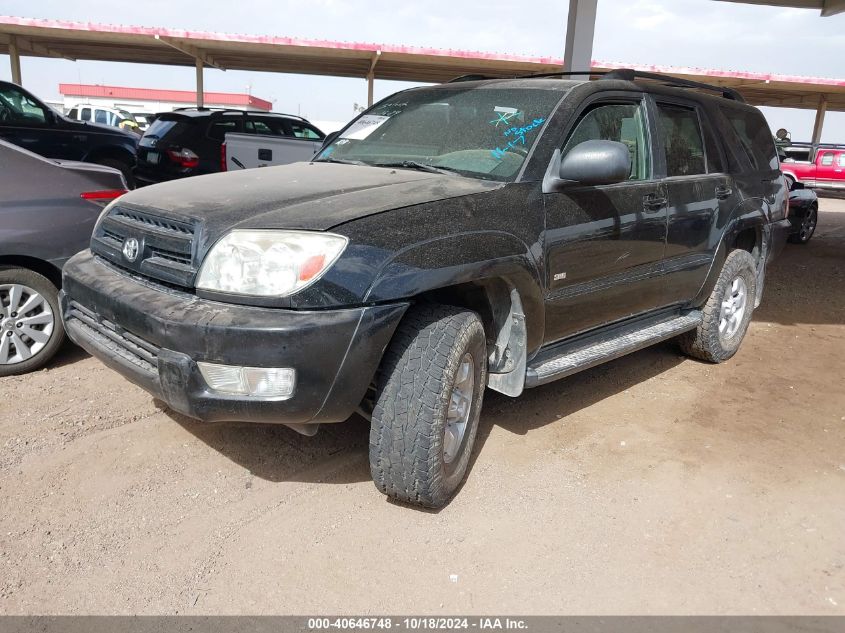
460,259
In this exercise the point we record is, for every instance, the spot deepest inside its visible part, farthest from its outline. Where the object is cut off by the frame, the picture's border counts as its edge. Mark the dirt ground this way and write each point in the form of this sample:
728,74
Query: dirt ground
651,485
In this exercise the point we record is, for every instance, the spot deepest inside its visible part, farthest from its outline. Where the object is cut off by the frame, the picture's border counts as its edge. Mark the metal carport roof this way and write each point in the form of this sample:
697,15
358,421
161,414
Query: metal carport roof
152,45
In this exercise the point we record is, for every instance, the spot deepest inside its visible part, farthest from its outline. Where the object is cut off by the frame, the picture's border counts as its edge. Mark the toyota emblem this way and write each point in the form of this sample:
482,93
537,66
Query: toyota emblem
130,249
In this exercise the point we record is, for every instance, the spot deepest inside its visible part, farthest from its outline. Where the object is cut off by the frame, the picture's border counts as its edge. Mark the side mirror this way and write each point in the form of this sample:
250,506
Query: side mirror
589,163
797,186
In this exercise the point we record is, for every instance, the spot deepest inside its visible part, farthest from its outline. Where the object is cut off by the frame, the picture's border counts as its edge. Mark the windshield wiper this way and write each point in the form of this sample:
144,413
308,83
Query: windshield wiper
412,164
342,161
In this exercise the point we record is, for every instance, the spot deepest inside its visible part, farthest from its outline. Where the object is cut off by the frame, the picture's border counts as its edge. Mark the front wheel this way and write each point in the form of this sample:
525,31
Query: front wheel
31,328
428,402
727,313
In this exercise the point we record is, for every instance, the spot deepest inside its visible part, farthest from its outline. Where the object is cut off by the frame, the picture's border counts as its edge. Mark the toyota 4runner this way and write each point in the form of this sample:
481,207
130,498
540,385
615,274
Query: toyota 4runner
499,234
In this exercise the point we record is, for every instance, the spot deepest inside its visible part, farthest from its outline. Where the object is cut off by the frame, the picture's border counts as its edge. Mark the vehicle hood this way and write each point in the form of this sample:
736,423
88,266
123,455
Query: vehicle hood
99,128
308,196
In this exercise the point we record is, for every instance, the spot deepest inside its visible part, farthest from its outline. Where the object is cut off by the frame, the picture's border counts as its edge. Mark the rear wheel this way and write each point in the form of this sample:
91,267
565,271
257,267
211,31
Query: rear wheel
807,228
31,328
428,403
727,313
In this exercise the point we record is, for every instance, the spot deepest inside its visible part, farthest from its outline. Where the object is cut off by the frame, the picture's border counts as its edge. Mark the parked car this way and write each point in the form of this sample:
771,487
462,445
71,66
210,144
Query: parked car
493,233
188,141
112,117
247,151
144,119
823,169
803,213
28,122
47,212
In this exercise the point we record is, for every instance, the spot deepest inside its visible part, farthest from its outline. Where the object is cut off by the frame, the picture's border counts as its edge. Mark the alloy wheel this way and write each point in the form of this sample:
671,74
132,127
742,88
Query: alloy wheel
26,323
734,305
460,407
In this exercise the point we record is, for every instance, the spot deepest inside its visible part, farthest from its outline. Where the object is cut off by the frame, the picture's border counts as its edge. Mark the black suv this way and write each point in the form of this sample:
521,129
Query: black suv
493,234
27,122
189,141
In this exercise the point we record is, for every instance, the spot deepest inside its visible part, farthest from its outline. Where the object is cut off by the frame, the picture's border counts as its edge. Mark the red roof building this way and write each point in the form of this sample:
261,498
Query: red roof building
155,100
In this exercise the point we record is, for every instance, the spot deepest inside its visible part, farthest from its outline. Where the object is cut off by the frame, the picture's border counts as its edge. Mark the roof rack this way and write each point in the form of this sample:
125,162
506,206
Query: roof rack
624,74
220,111
627,74
805,144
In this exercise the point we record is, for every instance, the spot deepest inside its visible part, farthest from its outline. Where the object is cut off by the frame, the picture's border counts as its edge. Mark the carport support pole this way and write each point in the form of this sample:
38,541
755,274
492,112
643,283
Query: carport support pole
578,54
371,78
15,60
200,88
819,124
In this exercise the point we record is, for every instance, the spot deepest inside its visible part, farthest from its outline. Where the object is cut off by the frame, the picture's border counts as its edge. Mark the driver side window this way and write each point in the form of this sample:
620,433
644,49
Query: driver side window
19,108
621,122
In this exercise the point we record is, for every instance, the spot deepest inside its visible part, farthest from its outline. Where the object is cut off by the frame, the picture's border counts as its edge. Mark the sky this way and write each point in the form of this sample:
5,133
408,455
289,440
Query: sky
701,33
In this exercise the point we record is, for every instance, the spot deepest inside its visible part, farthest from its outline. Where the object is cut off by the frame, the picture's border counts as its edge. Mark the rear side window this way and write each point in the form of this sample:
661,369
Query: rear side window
680,133
86,114
218,129
624,123
842,159
827,159
72,114
303,130
755,136
264,126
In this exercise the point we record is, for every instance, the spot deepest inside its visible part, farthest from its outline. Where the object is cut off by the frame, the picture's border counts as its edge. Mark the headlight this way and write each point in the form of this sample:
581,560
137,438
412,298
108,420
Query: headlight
268,263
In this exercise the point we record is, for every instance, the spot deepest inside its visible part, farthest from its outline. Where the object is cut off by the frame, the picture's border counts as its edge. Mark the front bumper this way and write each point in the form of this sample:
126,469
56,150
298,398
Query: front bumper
155,336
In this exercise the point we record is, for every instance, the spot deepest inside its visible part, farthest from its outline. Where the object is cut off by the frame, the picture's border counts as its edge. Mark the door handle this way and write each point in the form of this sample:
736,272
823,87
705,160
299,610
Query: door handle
723,192
654,202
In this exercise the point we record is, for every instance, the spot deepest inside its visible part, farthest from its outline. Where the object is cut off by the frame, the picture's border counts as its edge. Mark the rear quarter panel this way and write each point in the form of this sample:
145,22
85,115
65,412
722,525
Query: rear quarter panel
41,213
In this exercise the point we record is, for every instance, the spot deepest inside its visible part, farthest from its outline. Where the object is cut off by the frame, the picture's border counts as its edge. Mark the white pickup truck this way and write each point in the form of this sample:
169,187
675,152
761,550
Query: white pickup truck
245,151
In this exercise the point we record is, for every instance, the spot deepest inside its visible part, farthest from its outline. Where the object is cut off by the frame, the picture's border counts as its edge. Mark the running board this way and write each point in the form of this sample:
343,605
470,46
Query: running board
587,353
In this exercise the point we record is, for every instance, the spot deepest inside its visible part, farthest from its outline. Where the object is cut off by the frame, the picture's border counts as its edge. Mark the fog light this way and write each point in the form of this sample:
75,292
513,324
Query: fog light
259,382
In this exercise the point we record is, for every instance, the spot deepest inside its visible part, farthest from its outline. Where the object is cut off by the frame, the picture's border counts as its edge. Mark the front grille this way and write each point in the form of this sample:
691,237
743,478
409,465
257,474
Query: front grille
134,349
166,246
146,220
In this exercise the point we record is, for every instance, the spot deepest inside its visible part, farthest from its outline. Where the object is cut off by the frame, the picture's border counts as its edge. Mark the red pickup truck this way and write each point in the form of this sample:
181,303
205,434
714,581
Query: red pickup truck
825,168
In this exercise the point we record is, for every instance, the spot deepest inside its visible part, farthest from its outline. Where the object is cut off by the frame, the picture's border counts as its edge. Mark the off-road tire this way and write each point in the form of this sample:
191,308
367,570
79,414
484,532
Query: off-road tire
414,387
705,342
44,287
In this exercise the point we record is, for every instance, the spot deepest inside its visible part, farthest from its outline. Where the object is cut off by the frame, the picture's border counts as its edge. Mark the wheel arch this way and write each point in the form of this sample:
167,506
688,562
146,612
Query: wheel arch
482,279
747,230
116,152
43,267
501,282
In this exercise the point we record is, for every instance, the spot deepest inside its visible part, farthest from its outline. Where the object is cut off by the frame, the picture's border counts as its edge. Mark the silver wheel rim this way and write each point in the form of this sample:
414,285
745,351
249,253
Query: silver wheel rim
26,323
808,226
460,406
733,308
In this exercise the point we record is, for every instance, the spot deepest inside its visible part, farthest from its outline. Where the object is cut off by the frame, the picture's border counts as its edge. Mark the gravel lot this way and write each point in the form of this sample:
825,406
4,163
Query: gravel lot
654,484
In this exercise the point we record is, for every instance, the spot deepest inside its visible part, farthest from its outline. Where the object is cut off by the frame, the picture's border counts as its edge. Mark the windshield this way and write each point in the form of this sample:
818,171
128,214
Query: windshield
477,132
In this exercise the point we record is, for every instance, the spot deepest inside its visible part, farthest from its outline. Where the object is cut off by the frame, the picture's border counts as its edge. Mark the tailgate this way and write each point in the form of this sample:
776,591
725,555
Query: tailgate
247,151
